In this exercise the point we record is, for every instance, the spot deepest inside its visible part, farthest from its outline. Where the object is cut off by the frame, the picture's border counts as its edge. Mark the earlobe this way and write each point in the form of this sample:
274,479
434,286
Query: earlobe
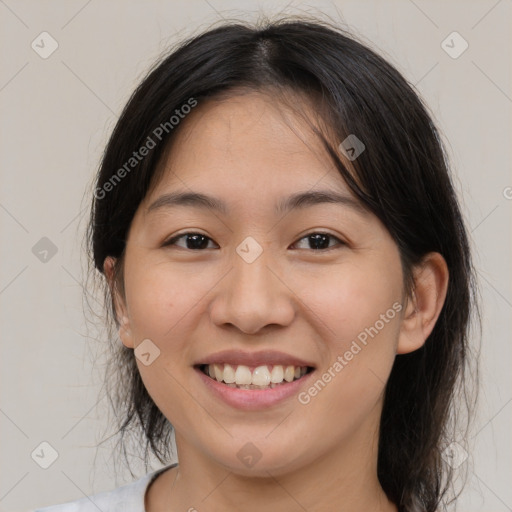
125,332
425,304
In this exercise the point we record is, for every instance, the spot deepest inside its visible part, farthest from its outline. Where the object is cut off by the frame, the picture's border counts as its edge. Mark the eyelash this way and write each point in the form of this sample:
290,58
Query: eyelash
172,241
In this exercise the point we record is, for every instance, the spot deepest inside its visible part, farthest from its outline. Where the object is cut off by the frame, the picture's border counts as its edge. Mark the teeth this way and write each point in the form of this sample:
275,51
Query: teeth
229,374
289,373
219,372
243,375
277,374
261,377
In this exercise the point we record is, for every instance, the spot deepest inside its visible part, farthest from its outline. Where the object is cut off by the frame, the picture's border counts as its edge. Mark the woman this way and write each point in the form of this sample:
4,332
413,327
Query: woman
290,277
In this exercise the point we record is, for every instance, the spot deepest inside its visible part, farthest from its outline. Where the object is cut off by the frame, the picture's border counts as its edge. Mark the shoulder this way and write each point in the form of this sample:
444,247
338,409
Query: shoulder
128,498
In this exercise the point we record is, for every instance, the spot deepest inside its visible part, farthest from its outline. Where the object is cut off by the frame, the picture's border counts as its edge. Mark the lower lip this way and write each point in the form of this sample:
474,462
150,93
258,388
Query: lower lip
253,399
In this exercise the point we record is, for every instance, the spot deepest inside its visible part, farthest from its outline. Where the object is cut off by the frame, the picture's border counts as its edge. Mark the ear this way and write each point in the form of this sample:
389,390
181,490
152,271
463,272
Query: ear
122,317
423,308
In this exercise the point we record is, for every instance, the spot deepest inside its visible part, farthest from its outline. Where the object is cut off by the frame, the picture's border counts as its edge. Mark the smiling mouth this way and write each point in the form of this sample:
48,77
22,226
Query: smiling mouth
260,377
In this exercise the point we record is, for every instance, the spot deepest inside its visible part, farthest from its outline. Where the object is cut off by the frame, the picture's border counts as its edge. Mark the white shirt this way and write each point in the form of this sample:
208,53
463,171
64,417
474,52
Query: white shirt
128,498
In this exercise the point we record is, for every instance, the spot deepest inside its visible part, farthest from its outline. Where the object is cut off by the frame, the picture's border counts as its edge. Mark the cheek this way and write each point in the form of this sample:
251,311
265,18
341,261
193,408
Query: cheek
360,309
159,297
352,297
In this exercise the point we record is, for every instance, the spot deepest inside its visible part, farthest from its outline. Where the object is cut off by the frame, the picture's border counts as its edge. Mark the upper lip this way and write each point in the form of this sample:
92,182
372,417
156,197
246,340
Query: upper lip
235,357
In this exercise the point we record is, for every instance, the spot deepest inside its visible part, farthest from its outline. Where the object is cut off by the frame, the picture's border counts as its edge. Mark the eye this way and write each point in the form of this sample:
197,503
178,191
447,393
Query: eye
320,241
194,241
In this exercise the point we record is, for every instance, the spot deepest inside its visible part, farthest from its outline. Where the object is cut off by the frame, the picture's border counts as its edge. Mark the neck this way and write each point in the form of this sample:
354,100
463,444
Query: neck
344,479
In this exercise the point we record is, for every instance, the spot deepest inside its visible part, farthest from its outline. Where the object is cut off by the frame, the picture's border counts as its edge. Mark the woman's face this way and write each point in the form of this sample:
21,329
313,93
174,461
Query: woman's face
278,282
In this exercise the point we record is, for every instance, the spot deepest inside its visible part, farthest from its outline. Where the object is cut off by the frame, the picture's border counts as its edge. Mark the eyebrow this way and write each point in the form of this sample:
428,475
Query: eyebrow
295,201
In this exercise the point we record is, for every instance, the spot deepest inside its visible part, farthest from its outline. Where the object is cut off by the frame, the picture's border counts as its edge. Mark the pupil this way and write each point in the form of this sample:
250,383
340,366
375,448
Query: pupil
318,239
201,245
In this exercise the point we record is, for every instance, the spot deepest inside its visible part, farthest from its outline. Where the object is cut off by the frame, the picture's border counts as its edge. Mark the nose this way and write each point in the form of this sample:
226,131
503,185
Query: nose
252,296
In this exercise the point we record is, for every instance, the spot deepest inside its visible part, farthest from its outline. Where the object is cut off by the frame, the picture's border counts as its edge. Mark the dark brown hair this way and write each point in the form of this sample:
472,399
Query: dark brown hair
402,177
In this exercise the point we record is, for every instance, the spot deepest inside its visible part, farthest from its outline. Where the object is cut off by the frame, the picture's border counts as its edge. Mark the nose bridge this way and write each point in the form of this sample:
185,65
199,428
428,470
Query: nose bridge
252,296
253,279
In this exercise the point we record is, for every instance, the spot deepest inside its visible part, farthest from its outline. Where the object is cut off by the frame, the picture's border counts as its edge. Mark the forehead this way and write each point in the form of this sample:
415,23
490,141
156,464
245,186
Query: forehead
250,142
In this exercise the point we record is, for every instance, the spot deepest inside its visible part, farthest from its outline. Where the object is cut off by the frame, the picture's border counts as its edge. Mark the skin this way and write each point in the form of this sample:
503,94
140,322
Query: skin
312,303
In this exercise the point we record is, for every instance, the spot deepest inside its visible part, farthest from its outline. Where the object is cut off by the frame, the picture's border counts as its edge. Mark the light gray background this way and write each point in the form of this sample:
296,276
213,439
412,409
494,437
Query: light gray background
56,115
